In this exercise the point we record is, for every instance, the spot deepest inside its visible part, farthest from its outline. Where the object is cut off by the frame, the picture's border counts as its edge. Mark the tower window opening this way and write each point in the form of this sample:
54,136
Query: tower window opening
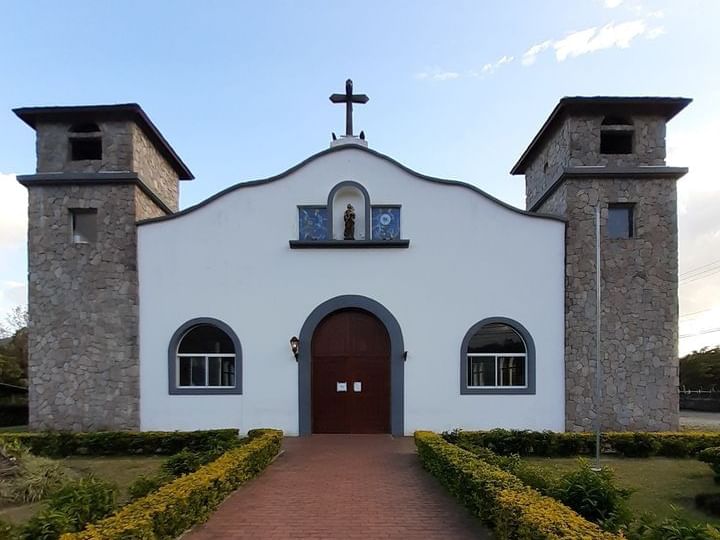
83,222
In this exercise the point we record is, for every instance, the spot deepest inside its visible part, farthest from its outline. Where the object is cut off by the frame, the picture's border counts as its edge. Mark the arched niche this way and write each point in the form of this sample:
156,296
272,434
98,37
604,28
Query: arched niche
344,193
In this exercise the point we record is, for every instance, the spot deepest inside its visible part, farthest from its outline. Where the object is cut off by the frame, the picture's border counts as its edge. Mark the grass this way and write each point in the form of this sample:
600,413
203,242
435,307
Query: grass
660,484
121,470
13,429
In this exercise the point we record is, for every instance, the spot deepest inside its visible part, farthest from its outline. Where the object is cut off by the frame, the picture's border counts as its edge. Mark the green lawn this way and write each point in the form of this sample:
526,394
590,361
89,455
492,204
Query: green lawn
121,470
13,429
659,483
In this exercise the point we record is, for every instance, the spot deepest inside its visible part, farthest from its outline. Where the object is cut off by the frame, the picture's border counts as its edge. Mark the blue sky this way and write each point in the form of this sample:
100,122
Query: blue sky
457,90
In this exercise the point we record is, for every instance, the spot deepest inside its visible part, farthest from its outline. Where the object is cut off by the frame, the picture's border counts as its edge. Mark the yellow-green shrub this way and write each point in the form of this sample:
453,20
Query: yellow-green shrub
499,498
190,499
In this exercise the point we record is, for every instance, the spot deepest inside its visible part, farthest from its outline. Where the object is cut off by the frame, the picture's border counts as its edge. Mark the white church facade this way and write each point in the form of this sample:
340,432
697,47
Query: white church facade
351,294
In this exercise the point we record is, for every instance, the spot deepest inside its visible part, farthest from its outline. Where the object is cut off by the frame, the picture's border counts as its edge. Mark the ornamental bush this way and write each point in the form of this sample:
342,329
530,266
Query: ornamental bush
71,508
502,500
145,484
711,456
594,495
190,499
673,528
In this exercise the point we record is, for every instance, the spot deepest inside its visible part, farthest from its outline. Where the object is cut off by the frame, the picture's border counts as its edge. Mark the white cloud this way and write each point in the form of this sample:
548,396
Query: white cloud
488,69
595,39
611,4
591,40
699,234
529,57
655,32
13,211
437,75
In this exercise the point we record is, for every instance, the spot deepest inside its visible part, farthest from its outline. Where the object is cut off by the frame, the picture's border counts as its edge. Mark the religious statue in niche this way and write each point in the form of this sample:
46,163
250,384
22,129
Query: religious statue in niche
349,217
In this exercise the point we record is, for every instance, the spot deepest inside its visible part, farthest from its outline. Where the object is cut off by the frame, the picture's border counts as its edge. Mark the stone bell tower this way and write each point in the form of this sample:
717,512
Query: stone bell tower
100,169
610,152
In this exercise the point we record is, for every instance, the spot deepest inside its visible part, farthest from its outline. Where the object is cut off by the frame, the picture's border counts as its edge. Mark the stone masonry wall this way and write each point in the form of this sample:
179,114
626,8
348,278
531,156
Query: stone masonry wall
576,143
154,169
648,145
83,307
53,148
547,165
639,324
145,208
639,312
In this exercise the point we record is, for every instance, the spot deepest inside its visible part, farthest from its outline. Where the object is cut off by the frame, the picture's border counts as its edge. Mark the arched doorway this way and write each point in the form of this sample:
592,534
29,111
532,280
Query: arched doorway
397,357
350,378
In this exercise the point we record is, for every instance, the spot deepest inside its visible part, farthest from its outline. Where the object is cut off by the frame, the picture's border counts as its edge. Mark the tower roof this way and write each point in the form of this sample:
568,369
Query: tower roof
129,111
666,107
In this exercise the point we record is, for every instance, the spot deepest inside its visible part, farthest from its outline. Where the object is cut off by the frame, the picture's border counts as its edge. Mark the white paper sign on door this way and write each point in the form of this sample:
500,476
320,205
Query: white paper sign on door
342,387
357,386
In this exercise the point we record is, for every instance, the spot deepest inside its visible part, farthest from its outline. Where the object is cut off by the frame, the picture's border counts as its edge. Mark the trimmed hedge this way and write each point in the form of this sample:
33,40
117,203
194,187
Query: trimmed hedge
115,443
711,456
499,498
554,444
177,506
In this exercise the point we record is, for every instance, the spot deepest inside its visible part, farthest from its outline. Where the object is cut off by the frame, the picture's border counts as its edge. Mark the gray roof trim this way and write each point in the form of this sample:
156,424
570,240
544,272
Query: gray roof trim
663,106
30,115
348,244
344,148
609,173
60,179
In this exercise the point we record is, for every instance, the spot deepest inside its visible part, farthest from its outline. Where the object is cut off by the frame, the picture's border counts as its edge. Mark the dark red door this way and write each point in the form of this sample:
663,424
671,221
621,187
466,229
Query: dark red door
351,374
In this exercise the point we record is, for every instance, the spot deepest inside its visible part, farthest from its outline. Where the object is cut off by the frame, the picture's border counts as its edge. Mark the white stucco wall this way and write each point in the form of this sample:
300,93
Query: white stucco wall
469,258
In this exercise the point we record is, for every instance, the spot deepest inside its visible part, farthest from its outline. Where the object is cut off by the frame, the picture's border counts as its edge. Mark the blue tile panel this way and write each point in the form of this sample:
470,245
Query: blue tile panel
385,223
314,223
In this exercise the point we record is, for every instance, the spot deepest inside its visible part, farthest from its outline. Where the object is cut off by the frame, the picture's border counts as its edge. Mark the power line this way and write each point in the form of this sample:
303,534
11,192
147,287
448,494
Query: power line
702,332
699,276
699,267
695,313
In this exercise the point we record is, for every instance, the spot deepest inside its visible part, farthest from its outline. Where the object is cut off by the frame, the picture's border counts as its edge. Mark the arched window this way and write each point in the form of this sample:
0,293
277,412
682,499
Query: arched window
497,357
204,358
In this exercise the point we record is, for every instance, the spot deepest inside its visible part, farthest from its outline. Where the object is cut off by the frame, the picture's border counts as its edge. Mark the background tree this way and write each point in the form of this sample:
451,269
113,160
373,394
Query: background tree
700,370
14,347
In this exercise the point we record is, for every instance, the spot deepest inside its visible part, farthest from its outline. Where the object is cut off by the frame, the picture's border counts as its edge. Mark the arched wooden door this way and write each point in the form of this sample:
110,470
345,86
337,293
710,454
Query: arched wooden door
351,374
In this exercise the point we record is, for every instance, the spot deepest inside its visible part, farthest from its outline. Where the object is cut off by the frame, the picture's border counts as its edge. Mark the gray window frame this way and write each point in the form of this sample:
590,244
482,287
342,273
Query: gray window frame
173,388
631,215
530,356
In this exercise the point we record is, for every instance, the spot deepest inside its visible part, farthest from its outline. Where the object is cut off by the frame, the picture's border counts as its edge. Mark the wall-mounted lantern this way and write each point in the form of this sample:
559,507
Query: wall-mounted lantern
295,346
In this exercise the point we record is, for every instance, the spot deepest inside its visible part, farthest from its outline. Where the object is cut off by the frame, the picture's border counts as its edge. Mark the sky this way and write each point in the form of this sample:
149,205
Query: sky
457,90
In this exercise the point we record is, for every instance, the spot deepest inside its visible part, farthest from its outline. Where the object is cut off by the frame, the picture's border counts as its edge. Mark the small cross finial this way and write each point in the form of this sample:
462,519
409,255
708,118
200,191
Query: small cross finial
349,98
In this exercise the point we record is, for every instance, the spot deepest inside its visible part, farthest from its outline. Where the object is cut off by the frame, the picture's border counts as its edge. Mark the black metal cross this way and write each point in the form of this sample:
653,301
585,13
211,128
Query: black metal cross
349,98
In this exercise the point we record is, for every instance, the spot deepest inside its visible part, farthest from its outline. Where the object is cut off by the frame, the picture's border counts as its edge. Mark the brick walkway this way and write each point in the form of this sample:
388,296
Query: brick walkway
342,487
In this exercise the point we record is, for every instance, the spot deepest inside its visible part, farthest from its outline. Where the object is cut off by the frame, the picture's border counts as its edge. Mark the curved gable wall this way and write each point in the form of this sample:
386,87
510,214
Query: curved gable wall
469,258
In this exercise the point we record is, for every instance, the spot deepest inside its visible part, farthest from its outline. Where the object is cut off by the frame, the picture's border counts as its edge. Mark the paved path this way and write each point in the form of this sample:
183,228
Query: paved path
699,419
342,487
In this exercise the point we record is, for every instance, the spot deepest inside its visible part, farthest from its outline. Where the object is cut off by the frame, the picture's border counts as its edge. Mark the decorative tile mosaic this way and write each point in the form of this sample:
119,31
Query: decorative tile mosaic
385,222
313,223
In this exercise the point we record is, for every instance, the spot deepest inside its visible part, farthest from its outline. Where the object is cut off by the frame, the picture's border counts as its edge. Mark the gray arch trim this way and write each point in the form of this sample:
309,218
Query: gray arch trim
529,344
345,148
397,362
173,389
366,196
